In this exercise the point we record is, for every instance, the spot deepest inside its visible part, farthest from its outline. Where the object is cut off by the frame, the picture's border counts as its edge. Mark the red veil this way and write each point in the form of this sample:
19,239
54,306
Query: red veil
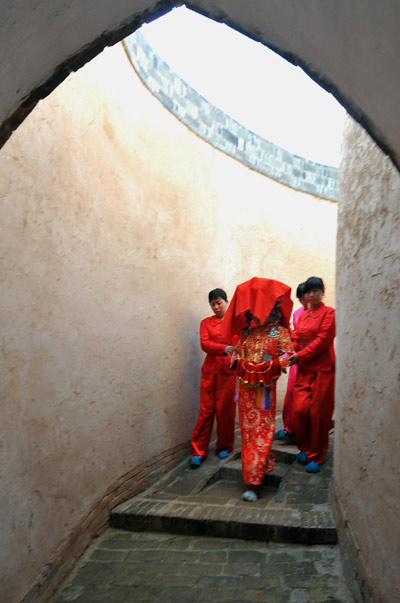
258,295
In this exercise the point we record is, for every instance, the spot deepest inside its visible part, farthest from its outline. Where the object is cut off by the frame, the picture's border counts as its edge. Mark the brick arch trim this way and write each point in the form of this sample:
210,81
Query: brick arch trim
222,131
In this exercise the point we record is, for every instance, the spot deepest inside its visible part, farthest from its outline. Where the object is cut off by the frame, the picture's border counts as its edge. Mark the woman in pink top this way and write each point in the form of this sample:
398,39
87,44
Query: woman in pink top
287,433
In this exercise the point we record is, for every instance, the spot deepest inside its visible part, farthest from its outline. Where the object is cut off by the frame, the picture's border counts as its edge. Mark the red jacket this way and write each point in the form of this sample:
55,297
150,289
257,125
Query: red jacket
313,340
213,344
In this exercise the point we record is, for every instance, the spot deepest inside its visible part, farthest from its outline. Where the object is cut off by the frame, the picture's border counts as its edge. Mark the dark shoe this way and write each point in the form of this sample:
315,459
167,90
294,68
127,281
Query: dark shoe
284,437
290,439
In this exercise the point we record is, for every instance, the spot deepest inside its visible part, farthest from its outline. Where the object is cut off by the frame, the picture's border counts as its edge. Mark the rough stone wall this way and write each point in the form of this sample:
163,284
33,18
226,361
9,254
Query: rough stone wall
367,444
116,221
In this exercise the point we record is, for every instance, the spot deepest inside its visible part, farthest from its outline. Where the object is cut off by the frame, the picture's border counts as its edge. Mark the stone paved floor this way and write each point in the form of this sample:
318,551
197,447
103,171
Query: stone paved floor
148,566
207,501
136,567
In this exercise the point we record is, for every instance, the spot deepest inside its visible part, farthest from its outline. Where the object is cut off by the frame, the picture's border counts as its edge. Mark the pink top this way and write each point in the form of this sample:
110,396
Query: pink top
296,314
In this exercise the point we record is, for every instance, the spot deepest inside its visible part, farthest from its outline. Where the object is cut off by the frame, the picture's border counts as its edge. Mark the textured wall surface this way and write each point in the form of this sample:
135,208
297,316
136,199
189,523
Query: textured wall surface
367,444
116,221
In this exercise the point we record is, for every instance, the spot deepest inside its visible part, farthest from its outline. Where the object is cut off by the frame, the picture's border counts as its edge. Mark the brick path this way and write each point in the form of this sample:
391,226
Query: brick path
190,537
156,567
294,506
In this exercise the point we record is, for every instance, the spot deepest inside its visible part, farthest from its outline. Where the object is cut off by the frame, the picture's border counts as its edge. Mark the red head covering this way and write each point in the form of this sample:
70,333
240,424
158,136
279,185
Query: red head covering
258,295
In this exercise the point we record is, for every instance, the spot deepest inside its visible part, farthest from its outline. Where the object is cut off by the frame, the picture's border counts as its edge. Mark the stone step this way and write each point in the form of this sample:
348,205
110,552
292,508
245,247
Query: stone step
284,453
293,507
250,522
232,471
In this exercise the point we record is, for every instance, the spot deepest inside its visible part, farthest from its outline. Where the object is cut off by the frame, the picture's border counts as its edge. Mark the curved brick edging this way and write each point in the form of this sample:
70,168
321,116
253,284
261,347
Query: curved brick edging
223,132
139,479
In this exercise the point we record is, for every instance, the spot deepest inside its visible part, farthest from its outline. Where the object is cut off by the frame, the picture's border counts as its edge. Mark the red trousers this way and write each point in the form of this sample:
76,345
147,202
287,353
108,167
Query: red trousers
312,410
217,391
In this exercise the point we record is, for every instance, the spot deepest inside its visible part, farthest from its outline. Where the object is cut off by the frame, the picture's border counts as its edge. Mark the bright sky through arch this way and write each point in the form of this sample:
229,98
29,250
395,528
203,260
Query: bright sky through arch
252,84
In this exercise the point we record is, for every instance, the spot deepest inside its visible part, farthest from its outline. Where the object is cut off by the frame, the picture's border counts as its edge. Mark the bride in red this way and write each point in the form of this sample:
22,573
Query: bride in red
259,313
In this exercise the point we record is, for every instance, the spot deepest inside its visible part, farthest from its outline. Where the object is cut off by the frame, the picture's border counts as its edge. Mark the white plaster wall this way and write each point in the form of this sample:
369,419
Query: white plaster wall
333,41
367,444
115,222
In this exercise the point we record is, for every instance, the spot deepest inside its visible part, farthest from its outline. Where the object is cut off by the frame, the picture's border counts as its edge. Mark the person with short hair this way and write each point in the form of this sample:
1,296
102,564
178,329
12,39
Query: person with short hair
217,385
314,389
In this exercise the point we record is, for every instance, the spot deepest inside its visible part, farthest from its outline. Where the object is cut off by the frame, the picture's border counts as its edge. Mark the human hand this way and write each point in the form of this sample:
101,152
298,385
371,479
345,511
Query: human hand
293,359
229,350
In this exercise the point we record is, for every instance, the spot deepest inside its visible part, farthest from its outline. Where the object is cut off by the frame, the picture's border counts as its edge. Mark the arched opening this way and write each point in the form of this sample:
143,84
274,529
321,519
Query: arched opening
282,30
38,270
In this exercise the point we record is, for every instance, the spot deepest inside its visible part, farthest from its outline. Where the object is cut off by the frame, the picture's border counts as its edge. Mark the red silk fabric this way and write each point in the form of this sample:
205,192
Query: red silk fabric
314,389
256,374
257,428
313,340
257,424
258,295
217,392
312,411
213,343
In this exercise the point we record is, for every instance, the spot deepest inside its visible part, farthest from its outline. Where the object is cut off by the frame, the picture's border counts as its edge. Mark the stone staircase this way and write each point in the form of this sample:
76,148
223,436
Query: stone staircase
191,538
293,507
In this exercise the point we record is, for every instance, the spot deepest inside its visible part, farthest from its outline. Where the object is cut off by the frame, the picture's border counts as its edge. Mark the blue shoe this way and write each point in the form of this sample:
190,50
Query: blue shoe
281,434
249,496
196,460
312,467
223,454
302,457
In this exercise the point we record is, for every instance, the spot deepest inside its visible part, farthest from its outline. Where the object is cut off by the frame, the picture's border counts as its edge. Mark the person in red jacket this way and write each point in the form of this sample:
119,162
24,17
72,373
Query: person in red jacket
314,389
217,387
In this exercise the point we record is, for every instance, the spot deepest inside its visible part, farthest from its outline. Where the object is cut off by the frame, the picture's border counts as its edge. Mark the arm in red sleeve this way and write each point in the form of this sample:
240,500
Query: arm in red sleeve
295,340
210,347
324,339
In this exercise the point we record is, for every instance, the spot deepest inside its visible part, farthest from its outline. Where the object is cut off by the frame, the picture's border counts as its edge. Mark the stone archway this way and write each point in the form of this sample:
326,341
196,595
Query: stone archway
332,43
360,35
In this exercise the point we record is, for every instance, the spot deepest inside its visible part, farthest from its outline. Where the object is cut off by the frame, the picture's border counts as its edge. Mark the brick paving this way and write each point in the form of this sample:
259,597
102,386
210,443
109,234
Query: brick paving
123,566
294,506
190,537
